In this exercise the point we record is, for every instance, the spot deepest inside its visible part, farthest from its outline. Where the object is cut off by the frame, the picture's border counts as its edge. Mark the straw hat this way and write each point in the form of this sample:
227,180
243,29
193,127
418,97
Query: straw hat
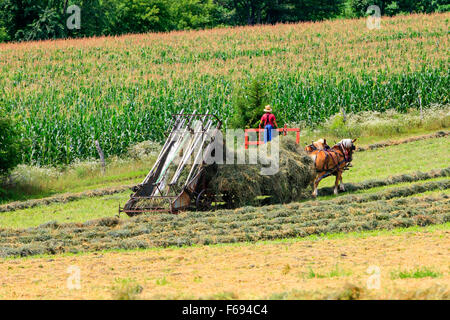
268,108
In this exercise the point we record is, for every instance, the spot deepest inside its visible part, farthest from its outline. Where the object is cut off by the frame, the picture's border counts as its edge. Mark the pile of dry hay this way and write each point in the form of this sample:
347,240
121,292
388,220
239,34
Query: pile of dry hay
241,184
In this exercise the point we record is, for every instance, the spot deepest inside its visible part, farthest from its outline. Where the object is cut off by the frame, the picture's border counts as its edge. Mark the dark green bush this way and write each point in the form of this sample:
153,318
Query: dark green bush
10,145
393,7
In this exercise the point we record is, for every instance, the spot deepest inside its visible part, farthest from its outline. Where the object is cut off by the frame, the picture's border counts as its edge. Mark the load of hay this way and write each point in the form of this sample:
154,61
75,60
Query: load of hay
242,184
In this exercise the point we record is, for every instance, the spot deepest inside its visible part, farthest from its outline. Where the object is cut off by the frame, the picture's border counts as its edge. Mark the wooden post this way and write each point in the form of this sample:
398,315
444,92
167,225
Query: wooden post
246,140
344,115
101,154
420,106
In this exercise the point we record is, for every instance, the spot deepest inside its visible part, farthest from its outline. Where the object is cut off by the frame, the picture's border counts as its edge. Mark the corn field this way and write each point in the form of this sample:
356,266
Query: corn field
123,90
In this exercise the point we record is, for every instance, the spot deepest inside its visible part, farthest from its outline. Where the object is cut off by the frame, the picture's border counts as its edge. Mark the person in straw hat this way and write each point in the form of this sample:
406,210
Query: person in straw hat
269,122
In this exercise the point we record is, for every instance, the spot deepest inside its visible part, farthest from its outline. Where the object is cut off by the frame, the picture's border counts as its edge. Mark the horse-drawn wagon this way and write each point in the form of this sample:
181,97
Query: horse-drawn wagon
181,176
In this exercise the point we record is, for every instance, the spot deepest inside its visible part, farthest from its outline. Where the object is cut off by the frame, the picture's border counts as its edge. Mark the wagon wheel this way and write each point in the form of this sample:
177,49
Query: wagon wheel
230,200
204,201
129,206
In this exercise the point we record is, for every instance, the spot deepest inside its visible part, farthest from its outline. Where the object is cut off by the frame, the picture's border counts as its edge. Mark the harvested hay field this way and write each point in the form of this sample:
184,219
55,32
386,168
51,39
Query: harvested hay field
389,143
62,198
299,269
344,214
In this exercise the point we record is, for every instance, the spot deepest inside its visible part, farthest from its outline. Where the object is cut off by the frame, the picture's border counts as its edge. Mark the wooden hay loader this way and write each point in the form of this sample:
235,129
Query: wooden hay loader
176,182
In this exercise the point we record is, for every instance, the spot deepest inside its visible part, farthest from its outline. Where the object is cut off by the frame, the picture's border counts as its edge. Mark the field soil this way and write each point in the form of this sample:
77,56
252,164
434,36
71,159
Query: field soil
324,268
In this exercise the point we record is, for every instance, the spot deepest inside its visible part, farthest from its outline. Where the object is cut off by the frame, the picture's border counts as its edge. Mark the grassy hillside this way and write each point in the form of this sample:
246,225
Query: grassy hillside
123,90
378,164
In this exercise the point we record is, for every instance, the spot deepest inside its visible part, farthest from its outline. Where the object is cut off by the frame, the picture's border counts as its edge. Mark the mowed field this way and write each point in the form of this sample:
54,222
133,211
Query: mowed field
412,264
395,227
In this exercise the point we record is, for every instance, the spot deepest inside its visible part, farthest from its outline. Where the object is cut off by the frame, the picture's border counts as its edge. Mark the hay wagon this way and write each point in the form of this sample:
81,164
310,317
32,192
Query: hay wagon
176,182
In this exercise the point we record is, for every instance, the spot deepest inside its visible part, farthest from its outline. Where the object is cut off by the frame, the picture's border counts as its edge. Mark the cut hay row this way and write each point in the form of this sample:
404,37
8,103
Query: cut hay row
228,226
350,187
402,178
62,198
388,194
389,143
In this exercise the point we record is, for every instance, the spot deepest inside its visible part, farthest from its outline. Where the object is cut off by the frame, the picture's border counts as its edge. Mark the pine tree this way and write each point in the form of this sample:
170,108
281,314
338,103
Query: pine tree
249,103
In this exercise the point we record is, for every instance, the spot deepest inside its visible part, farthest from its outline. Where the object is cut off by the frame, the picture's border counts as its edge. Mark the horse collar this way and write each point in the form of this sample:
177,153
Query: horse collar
344,150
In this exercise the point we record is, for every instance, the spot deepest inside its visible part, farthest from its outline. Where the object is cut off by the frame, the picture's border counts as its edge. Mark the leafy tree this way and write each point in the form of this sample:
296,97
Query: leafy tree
193,14
94,20
390,7
315,10
31,19
272,11
3,34
221,14
250,11
10,145
425,6
359,7
139,16
47,25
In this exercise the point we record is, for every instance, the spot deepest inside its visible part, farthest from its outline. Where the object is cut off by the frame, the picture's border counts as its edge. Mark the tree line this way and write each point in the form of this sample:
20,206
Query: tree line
23,20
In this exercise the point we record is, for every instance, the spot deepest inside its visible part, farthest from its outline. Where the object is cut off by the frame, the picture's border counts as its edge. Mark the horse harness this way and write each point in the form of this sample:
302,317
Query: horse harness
329,153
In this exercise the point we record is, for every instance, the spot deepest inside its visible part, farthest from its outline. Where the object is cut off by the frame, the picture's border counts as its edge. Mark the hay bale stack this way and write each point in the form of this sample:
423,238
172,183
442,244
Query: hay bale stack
242,184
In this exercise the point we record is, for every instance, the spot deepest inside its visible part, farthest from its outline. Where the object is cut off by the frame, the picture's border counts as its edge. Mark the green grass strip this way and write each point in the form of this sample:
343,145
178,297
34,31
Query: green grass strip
402,178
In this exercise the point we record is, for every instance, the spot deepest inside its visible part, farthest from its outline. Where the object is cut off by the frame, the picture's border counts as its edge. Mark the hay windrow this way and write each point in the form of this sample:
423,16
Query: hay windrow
63,198
385,144
374,183
382,210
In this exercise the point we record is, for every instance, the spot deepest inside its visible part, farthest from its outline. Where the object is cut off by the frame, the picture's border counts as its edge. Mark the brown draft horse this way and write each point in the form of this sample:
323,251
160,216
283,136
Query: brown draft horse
330,161
320,144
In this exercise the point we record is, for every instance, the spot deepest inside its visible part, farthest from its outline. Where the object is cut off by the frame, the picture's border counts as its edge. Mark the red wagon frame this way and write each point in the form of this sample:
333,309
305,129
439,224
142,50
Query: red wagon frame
284,130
